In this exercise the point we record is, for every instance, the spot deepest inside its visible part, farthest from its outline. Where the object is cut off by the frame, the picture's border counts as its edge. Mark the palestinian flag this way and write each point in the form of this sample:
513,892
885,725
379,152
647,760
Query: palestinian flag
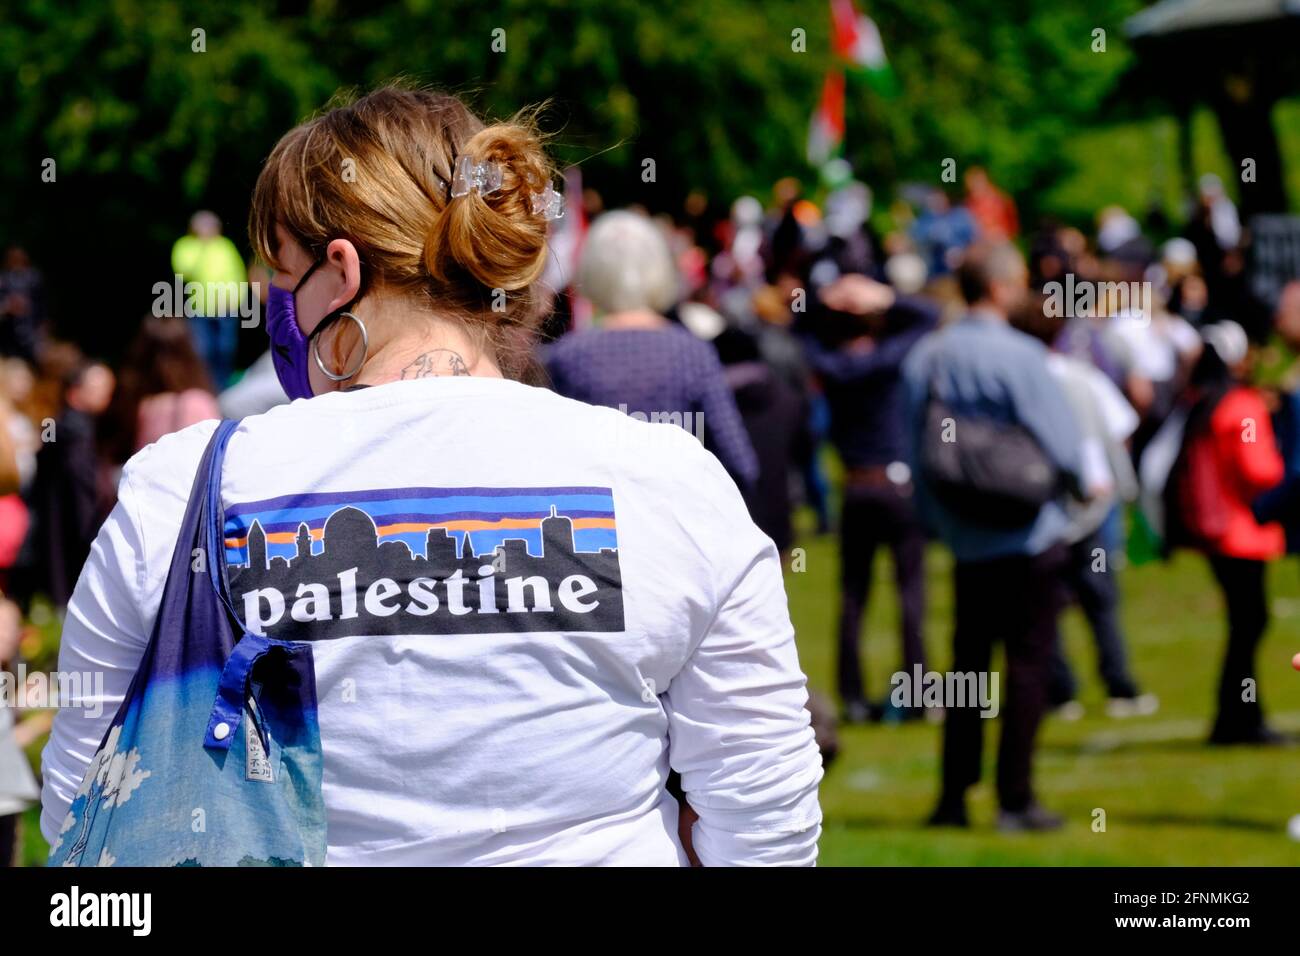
857,40
826,132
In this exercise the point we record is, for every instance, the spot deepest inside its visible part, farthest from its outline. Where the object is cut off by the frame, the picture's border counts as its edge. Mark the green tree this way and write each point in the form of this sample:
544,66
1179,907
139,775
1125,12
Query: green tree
144,127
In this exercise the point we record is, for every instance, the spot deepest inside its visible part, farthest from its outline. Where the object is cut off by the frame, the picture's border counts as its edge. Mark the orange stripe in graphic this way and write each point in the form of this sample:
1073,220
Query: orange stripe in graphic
579,524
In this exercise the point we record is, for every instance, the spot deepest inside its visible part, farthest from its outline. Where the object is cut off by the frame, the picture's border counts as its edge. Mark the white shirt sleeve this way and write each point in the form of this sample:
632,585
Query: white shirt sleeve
104,639
739,732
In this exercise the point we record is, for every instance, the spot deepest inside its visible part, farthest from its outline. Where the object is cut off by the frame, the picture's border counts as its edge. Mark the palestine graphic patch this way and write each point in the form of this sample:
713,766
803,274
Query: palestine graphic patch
426,561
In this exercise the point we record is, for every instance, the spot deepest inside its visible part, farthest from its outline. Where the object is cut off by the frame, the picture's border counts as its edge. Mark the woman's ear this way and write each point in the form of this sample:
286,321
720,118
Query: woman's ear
342,258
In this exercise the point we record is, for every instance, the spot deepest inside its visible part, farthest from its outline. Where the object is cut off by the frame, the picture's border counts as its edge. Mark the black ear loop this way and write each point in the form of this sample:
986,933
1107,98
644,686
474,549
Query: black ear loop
307,275
332,317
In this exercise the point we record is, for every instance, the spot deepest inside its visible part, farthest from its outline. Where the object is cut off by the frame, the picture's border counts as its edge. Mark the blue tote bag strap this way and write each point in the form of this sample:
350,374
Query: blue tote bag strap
215,515
175,781
234,688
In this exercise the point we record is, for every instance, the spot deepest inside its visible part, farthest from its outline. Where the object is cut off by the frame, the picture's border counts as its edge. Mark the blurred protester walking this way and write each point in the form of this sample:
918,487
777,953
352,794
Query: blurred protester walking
67,496
1282,503
20,411
18,789
993,210
795,255
1180,281
738,268
775,414
14,479
22,305
205,256
1217,212
942,232
1120,239
1228,458
1106,421
1156,353
164,388
845,239
867,332
993,441
636,360
1214,231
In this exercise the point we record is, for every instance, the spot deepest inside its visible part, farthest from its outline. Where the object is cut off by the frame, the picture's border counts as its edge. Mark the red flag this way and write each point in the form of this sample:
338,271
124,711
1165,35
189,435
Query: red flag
844,27
856,40
826,132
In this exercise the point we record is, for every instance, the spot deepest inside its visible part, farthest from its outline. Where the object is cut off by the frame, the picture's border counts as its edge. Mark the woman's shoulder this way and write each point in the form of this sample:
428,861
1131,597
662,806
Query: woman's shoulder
167,466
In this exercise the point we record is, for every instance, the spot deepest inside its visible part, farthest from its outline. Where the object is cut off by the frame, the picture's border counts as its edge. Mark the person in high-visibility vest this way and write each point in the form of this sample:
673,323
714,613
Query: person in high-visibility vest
207,257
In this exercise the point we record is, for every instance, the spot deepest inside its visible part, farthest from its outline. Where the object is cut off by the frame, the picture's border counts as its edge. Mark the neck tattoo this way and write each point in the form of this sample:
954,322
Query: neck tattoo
434,363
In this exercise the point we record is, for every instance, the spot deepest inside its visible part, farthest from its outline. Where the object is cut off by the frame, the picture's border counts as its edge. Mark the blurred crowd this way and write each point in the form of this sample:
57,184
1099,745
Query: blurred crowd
811,342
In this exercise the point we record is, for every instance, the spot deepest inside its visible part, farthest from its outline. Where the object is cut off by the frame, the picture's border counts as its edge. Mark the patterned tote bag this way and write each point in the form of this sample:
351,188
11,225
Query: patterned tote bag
214,757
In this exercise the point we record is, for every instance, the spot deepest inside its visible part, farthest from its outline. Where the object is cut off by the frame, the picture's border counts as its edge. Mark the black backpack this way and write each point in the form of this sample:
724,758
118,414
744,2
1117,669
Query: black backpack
990,473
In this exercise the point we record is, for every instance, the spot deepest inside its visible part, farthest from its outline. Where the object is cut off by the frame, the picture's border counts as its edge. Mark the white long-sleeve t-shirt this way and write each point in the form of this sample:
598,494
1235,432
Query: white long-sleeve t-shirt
523,610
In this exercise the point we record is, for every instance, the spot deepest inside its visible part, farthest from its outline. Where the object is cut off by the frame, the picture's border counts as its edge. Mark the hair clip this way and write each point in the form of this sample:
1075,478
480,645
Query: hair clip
548,204
485,177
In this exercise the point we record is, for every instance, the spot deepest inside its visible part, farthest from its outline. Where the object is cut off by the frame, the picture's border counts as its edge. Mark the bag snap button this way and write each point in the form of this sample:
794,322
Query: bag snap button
221,731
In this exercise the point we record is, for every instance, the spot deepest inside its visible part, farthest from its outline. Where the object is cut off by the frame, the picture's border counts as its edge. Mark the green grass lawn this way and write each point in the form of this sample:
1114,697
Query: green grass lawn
1168,799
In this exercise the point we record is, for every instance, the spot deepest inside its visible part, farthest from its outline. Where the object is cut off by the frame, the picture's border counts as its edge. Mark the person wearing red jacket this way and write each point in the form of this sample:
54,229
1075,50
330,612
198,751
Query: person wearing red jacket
993,210
1238,429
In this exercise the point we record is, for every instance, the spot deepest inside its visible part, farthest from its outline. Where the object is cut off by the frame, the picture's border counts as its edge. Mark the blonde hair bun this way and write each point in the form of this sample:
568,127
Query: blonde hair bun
496,238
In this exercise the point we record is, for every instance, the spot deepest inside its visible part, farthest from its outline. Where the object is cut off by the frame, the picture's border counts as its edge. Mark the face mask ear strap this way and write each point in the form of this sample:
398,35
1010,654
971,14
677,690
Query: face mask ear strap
307,275
326,322
361,292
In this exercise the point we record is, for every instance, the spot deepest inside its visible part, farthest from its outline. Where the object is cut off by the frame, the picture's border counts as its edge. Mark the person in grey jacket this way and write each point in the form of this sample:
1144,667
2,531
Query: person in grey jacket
1006,579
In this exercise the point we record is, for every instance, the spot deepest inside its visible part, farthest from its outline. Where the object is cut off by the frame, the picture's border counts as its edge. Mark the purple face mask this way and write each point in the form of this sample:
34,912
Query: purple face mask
289,347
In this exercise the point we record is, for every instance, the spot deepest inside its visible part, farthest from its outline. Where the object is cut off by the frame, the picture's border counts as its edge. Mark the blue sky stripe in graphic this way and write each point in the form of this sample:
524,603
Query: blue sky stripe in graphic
584,539
238,528
343,498
240,517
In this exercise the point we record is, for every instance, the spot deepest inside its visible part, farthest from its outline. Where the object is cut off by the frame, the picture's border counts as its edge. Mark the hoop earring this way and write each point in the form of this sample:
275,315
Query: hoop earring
365,348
